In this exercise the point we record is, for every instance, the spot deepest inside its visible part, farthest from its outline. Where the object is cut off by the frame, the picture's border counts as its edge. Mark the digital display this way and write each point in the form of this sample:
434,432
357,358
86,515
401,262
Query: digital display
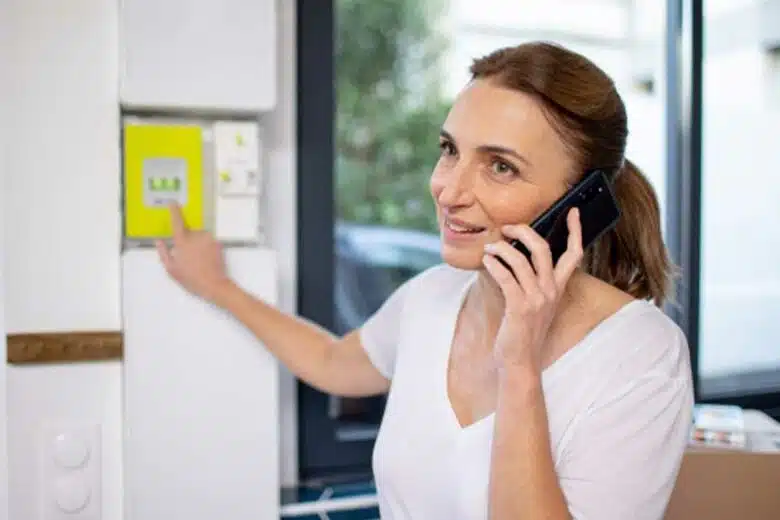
165,181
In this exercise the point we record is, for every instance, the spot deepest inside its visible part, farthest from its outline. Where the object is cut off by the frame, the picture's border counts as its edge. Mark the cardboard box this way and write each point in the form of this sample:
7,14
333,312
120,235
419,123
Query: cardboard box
726,484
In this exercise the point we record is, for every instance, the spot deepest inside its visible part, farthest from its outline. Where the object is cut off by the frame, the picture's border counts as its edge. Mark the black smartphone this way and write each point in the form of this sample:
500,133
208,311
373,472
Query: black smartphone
599,213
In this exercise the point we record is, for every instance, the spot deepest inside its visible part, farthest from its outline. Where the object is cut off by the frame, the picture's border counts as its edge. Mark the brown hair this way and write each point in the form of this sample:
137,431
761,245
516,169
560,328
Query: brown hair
583,105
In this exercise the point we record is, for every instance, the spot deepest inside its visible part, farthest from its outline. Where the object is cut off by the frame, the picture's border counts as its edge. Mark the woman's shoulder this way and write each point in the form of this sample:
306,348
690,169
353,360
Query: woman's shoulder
637,323
643,341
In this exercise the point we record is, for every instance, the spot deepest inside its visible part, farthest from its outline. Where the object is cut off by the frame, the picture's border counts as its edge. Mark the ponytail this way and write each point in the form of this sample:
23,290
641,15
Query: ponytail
633,257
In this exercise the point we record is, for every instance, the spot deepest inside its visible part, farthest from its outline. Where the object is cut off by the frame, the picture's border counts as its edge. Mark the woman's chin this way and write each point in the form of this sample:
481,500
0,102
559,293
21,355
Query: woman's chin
468,259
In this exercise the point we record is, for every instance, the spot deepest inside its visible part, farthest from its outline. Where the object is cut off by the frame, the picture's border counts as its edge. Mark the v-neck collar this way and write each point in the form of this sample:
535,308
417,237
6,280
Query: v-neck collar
452,317
450,323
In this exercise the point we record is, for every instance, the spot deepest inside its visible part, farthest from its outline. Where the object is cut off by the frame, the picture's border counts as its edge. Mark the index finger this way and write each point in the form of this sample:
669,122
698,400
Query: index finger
571,258
541,259
177,220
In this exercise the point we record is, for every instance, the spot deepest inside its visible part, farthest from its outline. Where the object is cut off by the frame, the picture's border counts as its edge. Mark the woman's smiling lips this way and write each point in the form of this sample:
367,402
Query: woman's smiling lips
456,230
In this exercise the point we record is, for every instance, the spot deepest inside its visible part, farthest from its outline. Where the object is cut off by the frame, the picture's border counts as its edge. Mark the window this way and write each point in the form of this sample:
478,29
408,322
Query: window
740,272
376,80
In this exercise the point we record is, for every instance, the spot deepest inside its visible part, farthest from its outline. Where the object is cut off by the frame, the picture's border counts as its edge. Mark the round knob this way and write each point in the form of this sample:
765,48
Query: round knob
71,494
70,451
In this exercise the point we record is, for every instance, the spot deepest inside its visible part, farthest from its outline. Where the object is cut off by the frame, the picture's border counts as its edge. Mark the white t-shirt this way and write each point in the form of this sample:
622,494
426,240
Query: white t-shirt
619,406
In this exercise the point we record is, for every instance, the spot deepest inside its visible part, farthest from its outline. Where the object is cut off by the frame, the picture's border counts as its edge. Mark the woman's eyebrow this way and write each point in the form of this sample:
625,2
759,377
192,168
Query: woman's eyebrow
490,148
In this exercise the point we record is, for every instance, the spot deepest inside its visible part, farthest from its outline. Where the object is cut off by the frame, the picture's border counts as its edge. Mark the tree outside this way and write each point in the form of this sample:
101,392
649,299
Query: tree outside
389,74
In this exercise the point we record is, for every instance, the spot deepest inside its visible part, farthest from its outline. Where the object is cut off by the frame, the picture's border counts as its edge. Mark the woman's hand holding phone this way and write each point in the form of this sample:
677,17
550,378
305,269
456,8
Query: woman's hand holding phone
531,290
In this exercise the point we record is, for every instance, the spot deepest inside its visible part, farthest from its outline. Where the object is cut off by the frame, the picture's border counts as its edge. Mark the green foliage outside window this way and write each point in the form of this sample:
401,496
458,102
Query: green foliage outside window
390,107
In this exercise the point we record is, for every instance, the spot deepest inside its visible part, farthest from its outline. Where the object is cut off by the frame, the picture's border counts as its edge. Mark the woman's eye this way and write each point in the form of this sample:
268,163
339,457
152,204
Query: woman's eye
447,148
503,168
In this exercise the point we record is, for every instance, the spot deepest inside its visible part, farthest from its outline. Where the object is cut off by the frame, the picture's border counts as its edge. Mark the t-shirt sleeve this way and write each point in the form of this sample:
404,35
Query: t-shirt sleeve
380,334
624,458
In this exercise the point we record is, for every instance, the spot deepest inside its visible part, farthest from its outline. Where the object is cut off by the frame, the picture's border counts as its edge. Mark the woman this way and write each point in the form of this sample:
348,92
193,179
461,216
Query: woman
560,392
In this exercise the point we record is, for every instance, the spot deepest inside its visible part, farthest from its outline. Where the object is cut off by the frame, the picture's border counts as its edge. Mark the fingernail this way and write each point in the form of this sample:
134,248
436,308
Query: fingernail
490,248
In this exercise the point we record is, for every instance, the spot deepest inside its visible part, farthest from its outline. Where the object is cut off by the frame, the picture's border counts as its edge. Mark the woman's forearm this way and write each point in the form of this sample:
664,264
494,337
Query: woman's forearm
523,482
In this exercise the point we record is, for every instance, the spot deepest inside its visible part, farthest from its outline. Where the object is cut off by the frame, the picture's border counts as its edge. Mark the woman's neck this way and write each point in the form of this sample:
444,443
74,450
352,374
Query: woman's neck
487,299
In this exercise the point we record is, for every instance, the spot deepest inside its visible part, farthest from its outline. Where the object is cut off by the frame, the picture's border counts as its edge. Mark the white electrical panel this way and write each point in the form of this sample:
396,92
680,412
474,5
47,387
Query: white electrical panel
237,146
201,397
204,54
238,183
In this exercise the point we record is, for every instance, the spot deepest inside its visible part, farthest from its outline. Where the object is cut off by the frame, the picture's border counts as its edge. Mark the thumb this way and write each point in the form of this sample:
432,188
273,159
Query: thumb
165,256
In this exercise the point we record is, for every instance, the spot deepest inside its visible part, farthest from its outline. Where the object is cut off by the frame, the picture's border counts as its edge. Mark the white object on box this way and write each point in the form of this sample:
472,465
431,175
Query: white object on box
719,417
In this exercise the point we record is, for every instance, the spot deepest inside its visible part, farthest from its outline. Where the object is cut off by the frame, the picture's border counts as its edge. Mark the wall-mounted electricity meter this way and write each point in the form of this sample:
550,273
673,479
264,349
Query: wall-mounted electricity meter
212,169
163,163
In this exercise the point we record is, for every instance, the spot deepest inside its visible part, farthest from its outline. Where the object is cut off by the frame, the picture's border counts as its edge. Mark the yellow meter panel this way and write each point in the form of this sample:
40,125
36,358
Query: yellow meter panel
163,163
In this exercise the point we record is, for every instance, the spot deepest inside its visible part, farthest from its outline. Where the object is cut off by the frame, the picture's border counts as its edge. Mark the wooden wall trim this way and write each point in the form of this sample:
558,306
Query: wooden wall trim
64,347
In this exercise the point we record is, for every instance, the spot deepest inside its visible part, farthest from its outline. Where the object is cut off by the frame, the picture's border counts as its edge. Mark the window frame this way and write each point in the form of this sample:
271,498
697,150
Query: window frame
319,455
683,100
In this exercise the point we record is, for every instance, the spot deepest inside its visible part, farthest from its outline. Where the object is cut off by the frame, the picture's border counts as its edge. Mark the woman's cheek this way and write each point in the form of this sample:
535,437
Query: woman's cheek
511,208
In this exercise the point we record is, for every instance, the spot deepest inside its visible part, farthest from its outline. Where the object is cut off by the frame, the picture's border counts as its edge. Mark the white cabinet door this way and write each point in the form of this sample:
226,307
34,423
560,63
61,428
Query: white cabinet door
203,55
201,398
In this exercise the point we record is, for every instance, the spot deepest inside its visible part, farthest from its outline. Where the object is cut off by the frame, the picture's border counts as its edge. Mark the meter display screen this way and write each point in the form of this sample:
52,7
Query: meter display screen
164,181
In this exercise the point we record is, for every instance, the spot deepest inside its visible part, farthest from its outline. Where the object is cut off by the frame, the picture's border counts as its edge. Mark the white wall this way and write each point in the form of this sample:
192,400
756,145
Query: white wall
62,228
3,377
63,186
3,372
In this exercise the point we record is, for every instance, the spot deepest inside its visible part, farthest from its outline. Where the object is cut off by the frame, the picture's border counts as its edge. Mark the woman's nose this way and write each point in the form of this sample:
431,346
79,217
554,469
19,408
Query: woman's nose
457,187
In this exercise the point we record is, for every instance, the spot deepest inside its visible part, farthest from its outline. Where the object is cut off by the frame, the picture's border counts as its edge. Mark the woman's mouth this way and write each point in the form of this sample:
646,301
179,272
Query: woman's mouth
459,228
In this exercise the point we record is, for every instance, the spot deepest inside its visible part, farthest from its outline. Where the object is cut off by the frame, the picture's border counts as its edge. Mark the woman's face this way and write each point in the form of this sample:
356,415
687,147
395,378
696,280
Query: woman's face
501,163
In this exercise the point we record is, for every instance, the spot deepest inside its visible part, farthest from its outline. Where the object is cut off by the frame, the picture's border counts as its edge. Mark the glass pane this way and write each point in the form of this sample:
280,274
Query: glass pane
400,63
740,276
